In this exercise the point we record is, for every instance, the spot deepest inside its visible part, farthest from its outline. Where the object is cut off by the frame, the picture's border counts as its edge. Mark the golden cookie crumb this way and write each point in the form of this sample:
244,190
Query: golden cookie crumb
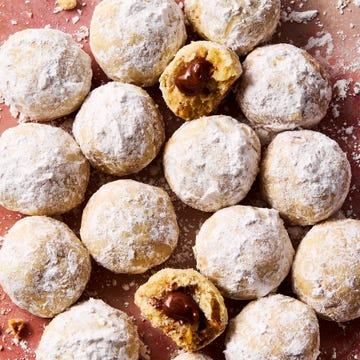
1,348
67,4
15,327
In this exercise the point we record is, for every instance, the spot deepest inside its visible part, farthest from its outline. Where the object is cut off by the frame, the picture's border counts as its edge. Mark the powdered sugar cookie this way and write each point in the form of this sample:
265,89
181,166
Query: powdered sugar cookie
283,88
305,176
326,269
119,128
44,74
274,327
185,305
240,25
198,78
129,226
245,251
90,330
219,165
44,267
42,170
133,41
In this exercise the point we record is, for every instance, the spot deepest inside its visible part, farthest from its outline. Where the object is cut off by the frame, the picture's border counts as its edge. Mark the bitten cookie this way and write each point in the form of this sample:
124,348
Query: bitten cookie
326,269
133,41
184,305
129,226
212,162
90,330
274,327
283,88
240,25
44,74
119,128
245,251
44,267
305,176
198,78
42,170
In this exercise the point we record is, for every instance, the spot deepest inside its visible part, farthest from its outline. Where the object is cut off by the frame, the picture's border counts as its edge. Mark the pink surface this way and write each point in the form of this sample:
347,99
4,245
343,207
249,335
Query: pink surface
333,37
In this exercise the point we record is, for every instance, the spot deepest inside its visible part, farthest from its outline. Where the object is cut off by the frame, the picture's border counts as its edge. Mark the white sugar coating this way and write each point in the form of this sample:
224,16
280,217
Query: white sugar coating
239,24
129,226
326,269
245,251
212,162
44,267
273,327
42,170
119,128
90,330
192,356
305,176
283,88
44,74
133,41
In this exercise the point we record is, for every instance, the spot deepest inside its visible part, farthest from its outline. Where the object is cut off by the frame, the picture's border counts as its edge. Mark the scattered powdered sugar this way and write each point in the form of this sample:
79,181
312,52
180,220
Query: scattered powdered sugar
341,88
299,16
322,40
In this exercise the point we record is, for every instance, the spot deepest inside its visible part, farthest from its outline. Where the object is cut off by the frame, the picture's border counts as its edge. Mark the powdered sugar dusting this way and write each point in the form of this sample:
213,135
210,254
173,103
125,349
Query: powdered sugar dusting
89,330
293,324
245,251
219,165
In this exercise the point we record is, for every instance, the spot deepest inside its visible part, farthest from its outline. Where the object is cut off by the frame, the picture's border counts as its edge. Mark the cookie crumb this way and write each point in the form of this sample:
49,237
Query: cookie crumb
15,327
66,4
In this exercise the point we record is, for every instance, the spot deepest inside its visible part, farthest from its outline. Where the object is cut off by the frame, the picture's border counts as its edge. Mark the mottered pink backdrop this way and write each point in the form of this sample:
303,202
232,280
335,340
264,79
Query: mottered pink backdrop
331,34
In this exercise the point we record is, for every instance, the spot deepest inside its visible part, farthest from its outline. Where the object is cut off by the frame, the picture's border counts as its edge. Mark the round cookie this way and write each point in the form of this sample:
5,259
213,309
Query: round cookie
44,74
219,165
42,170
326,269
283,88
185,305
192,356
119,128
305,176
198,78
44,267
240,25
273,327
90,330
133,41
245,251
129,227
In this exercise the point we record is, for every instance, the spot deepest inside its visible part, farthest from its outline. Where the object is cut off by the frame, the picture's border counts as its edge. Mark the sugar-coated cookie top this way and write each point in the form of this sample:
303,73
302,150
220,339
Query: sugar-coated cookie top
44,74
219,165
134,40
90,330
238,24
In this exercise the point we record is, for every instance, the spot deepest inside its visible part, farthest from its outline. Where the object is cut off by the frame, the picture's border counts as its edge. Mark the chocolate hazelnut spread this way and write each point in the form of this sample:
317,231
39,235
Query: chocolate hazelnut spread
193,79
